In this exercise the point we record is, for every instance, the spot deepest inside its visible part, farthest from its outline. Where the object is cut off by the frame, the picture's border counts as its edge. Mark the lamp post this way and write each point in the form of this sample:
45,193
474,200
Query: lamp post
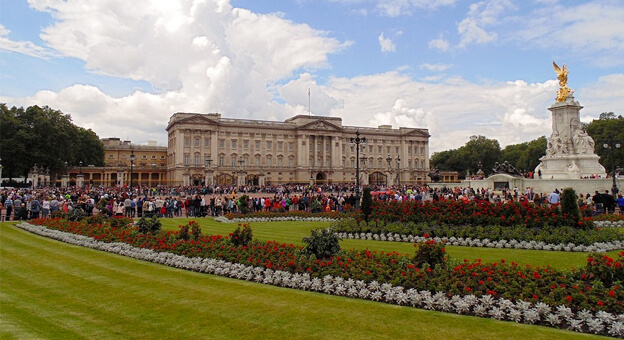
207,162
611,145
357,141
398,160
131,166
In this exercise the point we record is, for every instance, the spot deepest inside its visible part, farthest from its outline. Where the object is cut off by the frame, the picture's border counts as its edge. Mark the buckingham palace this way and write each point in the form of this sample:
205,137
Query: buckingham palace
206,149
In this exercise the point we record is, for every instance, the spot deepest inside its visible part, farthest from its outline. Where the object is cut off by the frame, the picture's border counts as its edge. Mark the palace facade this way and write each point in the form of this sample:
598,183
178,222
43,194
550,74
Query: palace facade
209,149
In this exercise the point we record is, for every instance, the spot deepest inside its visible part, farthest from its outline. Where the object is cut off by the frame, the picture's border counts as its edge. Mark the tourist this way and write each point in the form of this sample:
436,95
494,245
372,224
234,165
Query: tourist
554,197
620,202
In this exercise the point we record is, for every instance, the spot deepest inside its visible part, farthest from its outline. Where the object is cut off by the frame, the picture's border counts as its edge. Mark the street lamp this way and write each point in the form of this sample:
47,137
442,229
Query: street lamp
131,166
611,145
357,141
207,162
398,160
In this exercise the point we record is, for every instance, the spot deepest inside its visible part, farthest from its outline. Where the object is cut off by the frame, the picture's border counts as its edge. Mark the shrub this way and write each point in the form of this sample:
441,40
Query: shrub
242,237
149,225
184,233
569,205
243,204
429,252
196,231
76,214
367,203
322,243
101,205
604,268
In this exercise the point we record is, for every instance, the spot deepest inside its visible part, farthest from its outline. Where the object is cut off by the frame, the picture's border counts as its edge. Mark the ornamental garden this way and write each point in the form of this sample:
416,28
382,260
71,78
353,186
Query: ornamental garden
418,269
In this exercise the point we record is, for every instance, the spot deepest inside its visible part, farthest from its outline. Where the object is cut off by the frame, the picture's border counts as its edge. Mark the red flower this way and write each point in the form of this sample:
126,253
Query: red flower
569,298
600,303
426,235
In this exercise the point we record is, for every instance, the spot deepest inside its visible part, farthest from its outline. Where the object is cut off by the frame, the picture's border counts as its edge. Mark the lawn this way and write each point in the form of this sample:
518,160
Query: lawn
293,232
49,289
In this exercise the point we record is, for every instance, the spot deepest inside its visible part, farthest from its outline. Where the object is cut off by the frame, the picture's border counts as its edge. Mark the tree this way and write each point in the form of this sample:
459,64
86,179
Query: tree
525,156
608,126
46,137
477,149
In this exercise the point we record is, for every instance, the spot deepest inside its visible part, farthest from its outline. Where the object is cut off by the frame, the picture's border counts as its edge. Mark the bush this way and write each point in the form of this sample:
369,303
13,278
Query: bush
242,237
184,233
367,203
322,243
604,268
101,205
569,205
243,204
76,214
196,231
429,252
149,225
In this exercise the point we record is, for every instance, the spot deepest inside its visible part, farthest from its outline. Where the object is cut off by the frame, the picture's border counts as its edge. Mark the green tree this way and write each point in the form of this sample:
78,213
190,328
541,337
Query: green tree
467,158
46,137
525,156
608,126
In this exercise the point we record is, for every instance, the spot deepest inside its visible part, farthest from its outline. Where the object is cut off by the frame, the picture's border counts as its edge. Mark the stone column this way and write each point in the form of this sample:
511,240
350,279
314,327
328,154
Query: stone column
80,180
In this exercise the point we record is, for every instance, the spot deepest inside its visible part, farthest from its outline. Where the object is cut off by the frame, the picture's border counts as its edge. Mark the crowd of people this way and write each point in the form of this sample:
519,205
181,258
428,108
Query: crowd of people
200,201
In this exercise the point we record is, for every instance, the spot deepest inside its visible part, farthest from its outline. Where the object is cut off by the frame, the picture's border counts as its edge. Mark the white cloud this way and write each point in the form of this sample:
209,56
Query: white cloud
395,8
435,67
23,47
386,44
439,44
593,30
481,15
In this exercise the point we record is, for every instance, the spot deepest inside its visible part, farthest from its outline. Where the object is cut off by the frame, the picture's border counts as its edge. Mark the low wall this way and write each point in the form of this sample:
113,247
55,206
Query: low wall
583,186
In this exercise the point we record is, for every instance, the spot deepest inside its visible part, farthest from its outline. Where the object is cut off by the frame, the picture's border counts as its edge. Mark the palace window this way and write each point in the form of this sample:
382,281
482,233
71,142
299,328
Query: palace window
187,142
221,143
280,146
245,144
221,160
206,142
269,144
234,144
186,160
196,142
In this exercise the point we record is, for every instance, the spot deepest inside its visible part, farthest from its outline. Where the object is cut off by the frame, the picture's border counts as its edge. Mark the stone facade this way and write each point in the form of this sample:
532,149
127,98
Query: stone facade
149,166
209,149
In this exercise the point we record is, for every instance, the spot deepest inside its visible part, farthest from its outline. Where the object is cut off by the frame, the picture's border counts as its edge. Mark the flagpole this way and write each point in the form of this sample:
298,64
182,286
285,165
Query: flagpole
309,111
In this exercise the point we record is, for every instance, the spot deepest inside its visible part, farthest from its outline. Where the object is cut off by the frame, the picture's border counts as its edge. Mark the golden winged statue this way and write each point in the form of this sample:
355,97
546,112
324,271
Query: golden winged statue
562,75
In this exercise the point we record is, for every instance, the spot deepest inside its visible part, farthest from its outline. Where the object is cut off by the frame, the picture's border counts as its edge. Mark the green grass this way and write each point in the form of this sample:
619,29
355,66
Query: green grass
291,232
52,290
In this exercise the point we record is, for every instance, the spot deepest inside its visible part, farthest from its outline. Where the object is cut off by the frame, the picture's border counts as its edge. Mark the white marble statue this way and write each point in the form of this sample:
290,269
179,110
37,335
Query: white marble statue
583,143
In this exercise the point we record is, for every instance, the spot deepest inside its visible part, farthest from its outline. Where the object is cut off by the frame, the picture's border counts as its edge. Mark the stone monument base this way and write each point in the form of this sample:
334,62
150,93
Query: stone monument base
570,167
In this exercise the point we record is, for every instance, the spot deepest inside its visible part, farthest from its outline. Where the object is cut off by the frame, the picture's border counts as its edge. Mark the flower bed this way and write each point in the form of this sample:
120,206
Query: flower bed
488,233
586,300
599,247
476,213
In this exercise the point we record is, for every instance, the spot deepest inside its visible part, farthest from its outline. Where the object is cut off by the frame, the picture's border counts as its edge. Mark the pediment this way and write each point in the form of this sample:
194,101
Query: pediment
417,133
197,119
320,124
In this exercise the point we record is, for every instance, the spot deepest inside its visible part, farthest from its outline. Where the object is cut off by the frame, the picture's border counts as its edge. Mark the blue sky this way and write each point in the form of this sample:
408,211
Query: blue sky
458,68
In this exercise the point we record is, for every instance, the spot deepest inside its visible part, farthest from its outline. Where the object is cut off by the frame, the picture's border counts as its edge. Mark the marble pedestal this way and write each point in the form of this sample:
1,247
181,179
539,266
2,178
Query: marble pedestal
570,167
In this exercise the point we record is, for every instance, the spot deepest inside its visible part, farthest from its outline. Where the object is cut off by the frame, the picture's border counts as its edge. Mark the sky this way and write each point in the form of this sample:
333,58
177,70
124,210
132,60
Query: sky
456,67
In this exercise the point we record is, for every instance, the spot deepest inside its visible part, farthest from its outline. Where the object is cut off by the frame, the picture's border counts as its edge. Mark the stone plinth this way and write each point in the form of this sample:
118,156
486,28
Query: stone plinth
570,167
570,151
